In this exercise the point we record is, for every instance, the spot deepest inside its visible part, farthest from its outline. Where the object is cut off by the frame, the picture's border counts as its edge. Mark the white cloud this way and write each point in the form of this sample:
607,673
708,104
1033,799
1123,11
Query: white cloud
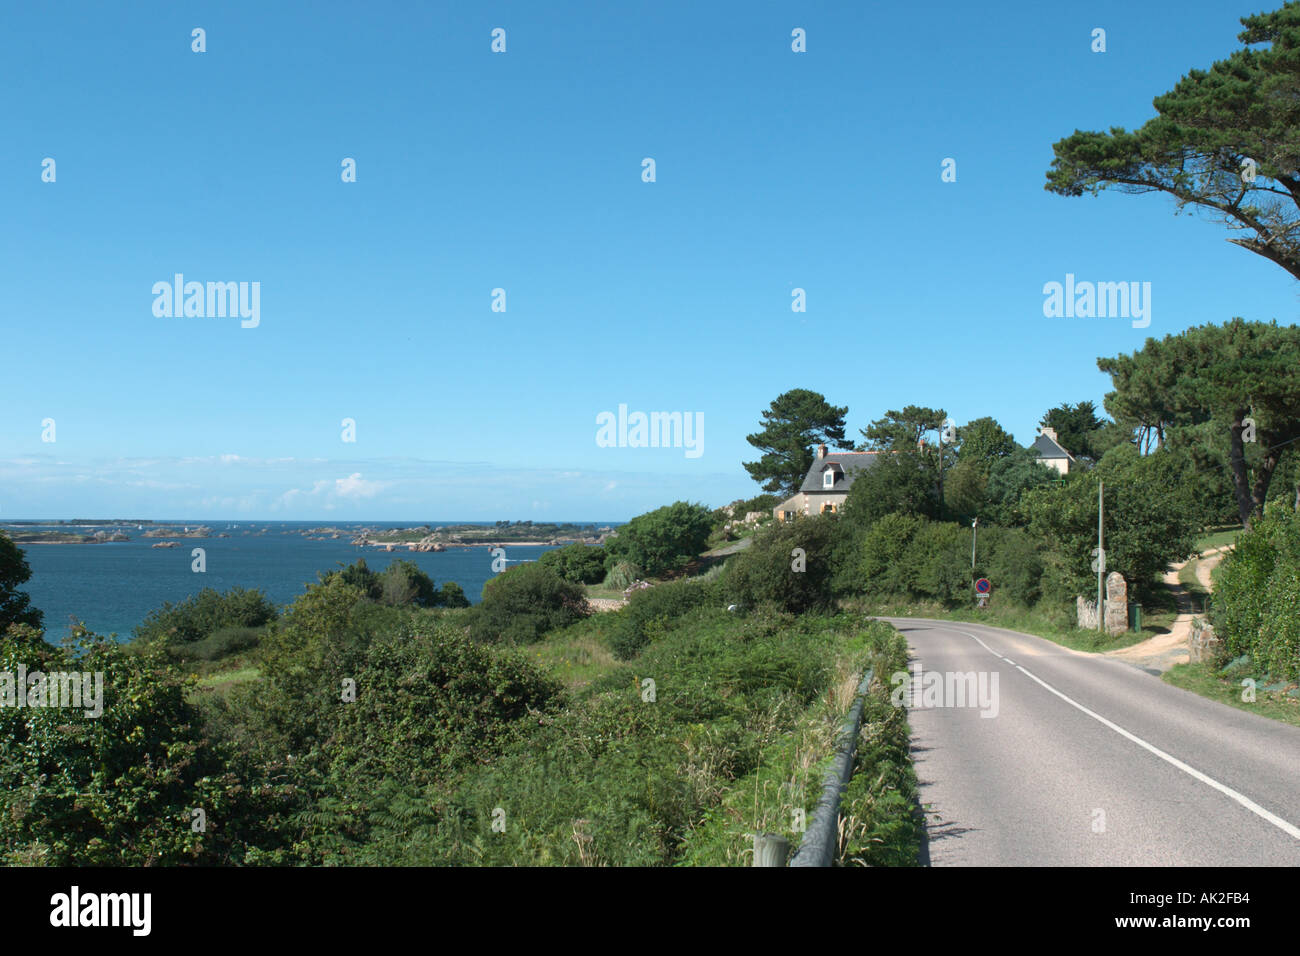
354,486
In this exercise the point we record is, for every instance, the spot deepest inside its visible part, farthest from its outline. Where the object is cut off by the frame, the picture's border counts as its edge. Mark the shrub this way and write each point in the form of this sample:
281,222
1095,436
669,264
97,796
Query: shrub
522,604
201,614
452,595
1010,558
403,583
116,788
15,606
788,565
663,540
884,565
579,563
220,643
651,610
1256,605
938,563
400,584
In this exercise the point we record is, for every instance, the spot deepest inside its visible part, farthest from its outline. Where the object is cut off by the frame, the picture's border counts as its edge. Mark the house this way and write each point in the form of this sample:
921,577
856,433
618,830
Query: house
1050,453
827,483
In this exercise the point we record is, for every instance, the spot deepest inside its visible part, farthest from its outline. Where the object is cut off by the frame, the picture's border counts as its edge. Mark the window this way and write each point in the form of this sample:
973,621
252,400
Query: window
828,478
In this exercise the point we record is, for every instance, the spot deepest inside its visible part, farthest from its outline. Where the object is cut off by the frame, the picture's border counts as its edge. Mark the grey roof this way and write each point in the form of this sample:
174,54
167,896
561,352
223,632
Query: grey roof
1049,448
847,465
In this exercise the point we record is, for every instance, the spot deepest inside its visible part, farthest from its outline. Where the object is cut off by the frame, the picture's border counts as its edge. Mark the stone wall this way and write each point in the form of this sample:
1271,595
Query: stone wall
1203,645
1115,610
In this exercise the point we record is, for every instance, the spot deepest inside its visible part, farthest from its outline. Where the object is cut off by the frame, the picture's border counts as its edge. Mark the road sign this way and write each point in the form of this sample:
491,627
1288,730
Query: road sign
982,586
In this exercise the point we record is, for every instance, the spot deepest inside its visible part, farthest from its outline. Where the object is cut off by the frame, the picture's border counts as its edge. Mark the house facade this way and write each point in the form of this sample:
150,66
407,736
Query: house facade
1050,452
827,483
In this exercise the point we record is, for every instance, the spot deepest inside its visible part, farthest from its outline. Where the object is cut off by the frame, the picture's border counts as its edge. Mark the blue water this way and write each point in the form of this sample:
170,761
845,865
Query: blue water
112,586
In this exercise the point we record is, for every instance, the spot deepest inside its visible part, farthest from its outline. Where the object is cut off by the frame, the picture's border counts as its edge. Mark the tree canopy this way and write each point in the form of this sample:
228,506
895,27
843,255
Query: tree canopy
1240,380
1226,140
15,605
666,539
903,429
794,422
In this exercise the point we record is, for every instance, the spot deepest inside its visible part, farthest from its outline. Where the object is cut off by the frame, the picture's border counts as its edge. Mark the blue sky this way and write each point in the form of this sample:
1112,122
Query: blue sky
523,171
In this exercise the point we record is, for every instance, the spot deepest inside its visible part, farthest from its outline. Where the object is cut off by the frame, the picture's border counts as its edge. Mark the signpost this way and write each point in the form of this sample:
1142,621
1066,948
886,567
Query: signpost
982,590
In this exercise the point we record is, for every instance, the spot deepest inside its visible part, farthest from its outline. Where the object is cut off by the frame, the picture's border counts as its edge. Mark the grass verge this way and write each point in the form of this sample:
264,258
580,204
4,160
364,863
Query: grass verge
1204,679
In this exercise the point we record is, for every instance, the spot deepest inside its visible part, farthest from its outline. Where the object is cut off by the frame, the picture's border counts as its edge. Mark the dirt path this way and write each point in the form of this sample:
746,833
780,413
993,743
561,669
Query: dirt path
1209,561
1163,651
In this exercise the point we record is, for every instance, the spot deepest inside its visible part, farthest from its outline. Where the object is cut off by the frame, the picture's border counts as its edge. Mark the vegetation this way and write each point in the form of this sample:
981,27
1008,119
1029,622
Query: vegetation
1226,140
662,541
1233,390
15,605
524,602
401,583
789,566
793,424
200,615
1256,605
579,563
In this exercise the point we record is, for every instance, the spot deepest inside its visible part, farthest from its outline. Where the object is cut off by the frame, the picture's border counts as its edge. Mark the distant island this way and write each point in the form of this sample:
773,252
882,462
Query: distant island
80,522
415,538
426,538
65,537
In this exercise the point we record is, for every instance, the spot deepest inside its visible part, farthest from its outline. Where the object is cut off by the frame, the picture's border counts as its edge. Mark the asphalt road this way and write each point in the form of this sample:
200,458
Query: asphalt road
1088,761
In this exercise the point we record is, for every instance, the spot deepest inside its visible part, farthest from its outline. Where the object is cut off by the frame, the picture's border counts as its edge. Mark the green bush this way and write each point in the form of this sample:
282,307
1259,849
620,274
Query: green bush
201,614
938,563
117,788
666,539
884,564
1256,605
789,565
222,642
1010,558
579,563
619,779
522,604
401,584
651,610
15,605
452,594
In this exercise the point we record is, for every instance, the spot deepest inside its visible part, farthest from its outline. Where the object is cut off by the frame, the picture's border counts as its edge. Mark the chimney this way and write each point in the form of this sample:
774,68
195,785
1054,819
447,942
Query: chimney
821,451
1049,432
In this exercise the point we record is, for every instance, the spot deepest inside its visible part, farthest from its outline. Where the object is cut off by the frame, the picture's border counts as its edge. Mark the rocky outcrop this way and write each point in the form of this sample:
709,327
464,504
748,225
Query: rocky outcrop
201,531
168,544
100,537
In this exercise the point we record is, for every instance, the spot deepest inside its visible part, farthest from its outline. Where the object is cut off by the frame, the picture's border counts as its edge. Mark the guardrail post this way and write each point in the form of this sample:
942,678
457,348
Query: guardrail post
770,849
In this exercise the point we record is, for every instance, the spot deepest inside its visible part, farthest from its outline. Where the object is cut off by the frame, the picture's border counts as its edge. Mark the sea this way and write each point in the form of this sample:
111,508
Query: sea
111,587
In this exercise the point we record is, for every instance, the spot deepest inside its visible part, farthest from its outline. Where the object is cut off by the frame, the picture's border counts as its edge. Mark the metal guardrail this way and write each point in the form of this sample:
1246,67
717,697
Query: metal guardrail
822,837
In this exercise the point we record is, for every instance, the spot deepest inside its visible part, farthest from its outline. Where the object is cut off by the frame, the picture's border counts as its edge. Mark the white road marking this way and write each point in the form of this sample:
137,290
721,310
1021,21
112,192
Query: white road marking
1192,772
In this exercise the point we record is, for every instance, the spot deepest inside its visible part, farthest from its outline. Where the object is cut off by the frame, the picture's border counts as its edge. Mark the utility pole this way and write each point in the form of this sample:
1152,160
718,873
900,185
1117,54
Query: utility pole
1101,552
941,471
974,529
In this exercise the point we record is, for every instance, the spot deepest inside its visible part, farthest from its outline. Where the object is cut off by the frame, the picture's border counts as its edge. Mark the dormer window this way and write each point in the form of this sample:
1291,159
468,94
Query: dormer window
828,478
